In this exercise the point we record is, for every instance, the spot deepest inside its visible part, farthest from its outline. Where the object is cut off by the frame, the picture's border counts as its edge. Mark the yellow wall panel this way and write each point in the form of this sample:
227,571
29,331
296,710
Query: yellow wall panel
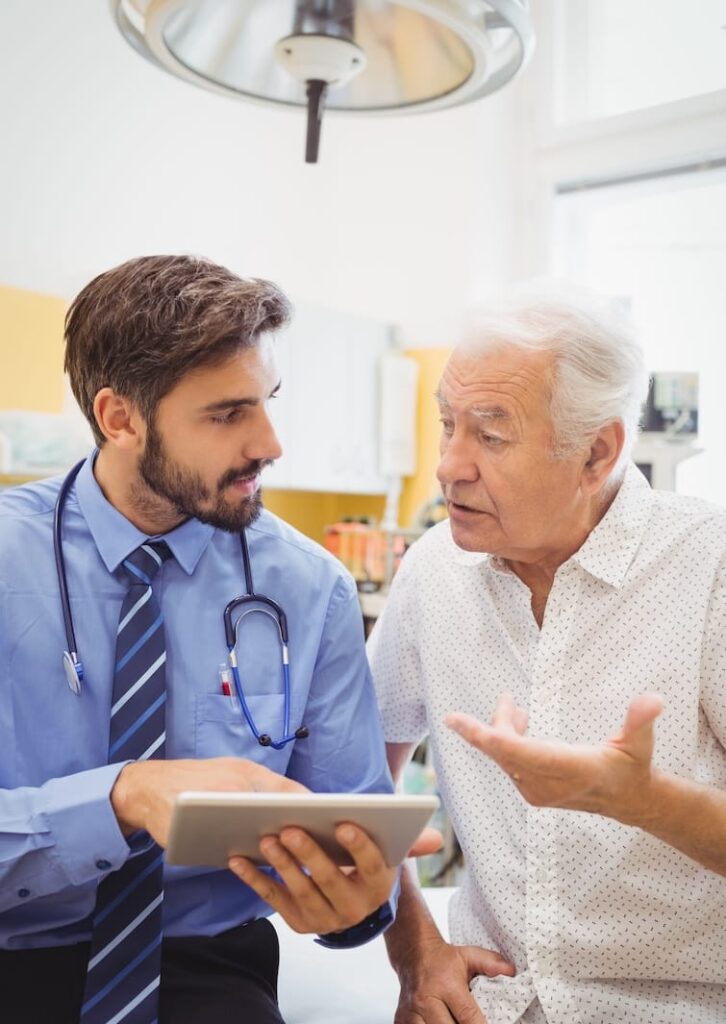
31,350
424,485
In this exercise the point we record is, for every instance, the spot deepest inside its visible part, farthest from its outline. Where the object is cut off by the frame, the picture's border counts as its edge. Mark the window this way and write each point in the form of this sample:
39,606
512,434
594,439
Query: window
660,244
615,56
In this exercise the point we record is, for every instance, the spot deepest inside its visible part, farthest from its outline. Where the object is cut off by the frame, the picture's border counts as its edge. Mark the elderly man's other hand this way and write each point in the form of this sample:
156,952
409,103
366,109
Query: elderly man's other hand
435,981
612,779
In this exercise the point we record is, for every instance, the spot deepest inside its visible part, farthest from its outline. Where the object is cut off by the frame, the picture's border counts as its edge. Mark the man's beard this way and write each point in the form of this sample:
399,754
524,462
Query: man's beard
187,493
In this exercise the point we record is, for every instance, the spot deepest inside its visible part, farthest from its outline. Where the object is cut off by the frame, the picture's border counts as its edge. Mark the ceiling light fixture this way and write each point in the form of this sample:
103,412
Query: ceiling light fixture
352,56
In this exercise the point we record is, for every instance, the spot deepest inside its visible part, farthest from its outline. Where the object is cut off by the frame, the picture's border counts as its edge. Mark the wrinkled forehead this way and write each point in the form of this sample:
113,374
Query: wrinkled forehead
503,383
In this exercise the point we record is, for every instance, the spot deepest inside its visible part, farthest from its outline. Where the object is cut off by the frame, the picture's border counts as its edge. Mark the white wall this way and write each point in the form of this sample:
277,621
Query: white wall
105,157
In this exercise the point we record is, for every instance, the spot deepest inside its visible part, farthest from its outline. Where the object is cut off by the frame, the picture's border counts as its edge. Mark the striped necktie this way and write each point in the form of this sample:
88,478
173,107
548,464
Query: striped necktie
122,981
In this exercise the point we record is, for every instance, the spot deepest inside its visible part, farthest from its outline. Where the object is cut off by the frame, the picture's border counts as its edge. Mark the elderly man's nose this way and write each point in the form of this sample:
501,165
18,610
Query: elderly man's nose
455,464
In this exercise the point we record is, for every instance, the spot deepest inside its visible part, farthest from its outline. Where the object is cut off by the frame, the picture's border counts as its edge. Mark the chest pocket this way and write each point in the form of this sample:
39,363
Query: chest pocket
222,729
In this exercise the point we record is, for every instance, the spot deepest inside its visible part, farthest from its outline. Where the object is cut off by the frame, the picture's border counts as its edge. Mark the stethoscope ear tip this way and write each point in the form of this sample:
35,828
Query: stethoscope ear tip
264,740
302,733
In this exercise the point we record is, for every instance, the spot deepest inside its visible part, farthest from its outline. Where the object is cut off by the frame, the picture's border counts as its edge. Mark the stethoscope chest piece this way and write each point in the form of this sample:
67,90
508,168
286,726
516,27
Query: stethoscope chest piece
73,675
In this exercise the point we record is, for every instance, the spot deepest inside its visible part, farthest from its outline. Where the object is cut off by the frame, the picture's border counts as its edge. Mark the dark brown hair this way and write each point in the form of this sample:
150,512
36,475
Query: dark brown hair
142,326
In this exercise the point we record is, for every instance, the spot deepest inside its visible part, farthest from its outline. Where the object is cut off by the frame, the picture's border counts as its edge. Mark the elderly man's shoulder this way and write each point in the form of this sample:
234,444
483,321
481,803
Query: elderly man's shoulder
685,531
689,511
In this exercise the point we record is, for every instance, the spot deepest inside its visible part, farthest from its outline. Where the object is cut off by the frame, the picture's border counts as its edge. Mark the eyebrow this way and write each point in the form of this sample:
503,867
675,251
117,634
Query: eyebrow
487,412
237,403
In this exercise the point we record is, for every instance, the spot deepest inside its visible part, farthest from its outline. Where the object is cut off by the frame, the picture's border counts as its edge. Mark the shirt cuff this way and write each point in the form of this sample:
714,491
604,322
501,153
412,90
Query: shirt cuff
359,934
87,837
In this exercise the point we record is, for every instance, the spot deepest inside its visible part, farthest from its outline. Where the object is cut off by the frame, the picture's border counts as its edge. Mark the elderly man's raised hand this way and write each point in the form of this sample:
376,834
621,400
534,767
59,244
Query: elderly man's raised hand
611,779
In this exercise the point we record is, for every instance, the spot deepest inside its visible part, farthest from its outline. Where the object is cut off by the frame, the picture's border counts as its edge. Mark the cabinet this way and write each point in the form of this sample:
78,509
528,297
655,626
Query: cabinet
327,412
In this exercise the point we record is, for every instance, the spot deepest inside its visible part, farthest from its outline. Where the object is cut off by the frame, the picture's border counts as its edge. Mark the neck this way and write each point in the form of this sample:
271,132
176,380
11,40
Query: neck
117,476
539,574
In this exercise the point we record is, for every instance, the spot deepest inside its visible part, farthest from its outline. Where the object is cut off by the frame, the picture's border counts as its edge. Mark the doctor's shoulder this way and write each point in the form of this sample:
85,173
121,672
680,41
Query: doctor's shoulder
299,552
27,504
26,533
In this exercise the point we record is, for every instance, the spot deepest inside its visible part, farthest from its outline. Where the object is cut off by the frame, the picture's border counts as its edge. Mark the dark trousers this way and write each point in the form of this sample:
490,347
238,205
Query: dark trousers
223,979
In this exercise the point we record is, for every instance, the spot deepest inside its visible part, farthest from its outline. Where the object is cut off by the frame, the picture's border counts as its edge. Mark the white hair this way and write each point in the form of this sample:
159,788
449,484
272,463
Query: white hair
599,372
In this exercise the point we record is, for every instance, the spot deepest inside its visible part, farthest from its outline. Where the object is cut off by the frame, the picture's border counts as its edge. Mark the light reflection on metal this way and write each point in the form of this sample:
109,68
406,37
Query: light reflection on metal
417,55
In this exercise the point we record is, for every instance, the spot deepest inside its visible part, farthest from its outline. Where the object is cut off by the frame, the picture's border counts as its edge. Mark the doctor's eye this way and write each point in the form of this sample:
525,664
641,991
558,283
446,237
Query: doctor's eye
227,417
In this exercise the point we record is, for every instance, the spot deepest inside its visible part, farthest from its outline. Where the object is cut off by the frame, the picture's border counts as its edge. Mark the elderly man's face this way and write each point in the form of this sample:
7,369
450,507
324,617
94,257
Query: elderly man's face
506,494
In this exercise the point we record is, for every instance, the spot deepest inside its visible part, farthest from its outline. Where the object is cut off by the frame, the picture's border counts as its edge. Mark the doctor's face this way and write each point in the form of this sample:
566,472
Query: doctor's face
211,438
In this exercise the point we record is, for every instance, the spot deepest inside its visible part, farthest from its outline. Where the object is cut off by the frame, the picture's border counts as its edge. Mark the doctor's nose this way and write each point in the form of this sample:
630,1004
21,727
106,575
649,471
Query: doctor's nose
263,443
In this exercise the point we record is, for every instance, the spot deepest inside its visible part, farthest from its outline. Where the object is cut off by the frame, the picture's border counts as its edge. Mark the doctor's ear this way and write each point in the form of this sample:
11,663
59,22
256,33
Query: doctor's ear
118,419
604,453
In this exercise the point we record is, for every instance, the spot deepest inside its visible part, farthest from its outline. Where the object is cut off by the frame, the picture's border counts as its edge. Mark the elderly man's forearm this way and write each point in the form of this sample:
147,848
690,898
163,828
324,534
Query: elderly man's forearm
688,816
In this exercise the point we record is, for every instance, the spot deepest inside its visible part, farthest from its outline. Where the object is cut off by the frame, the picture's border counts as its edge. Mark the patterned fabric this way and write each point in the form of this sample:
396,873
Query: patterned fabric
123,971
603,922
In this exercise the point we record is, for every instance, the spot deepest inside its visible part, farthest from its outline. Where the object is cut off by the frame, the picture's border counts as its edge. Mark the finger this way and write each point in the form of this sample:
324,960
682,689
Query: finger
426,1011
307,896
521,755
643,711
266,888
486,961
521,721
503,717
373,871
342,892
437,1014
463,1008
470,729
638,732
429,841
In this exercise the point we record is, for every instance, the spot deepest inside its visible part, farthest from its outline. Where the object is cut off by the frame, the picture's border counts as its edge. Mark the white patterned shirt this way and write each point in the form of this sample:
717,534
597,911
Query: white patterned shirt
604,923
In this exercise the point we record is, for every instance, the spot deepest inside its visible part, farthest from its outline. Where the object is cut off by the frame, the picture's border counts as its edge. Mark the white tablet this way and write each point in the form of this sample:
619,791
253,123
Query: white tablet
209,828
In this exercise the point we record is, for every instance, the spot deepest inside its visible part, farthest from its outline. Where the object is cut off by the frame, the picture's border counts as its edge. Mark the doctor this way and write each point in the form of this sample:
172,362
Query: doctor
171,360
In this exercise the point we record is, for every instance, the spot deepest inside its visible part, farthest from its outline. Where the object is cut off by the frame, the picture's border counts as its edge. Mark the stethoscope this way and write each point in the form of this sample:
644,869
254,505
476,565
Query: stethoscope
73,666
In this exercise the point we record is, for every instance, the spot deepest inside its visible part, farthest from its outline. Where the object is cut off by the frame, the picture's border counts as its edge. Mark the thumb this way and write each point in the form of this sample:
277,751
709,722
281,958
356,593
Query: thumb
485,961
428,841
638,733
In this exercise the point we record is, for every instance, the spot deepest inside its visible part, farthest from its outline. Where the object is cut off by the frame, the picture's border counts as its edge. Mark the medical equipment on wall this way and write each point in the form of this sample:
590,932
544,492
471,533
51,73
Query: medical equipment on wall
250,601
669,428
352,56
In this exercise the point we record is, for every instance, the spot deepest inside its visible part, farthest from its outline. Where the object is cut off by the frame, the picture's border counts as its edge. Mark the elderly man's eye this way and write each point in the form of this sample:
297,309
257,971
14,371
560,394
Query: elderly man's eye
492,440
447,426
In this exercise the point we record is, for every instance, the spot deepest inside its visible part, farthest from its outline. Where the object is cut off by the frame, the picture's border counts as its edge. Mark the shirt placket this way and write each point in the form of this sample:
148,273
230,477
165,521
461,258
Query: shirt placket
545,709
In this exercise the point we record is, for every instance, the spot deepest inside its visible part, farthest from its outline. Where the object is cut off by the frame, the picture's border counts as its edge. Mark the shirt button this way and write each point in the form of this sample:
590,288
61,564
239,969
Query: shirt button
22,893
103,865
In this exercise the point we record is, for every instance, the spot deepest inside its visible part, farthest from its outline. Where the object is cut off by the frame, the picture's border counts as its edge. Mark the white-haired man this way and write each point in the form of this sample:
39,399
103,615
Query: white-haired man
567,596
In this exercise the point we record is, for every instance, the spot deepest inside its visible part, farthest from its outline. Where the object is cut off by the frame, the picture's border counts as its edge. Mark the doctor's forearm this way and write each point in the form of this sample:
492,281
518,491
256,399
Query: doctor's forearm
688,816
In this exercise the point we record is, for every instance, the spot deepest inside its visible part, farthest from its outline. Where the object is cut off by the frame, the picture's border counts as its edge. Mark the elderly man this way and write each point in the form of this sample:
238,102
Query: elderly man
567,597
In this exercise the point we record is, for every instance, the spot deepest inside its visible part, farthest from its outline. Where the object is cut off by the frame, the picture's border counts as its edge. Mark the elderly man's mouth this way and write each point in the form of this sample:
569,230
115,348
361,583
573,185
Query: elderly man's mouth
456,509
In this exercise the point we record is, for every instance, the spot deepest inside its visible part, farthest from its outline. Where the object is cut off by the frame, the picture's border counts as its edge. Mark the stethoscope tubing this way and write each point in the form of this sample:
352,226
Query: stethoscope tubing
73,667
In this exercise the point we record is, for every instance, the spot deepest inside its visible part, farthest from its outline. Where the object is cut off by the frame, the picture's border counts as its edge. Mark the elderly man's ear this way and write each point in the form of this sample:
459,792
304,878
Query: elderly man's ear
604,453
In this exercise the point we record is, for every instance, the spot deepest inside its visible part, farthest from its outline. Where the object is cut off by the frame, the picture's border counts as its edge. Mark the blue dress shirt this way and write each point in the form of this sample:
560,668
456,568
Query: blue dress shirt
58,834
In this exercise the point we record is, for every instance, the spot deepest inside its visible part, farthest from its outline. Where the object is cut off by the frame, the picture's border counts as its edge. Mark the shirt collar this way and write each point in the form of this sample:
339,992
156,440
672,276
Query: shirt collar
116,537
609,548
